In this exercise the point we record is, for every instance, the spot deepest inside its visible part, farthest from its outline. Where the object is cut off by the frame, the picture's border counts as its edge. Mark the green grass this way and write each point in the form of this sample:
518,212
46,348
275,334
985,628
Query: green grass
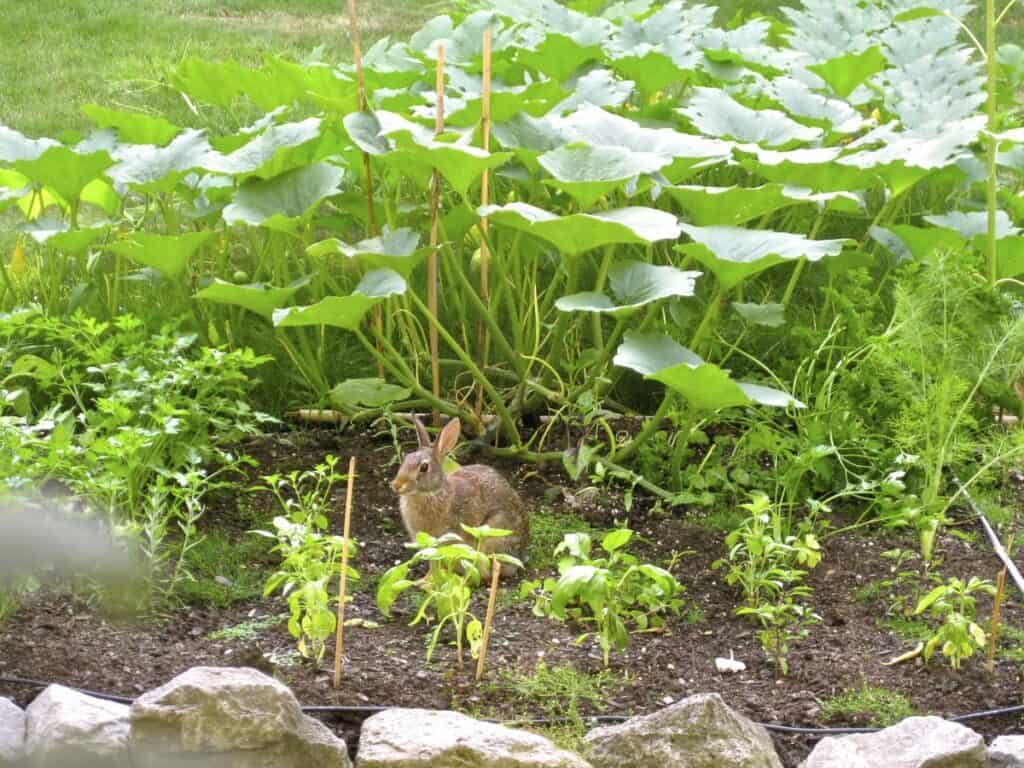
248,630
908,629
546,532
62,54
882,706
558,692
1011,644
219,557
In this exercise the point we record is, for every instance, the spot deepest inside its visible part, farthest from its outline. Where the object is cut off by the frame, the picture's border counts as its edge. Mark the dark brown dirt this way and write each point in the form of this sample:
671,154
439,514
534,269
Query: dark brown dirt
56,636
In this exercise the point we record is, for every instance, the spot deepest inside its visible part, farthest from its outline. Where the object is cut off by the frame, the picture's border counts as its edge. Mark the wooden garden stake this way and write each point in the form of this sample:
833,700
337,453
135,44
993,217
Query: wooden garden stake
485,639
339,636
357,56
485,128
435,221
997,604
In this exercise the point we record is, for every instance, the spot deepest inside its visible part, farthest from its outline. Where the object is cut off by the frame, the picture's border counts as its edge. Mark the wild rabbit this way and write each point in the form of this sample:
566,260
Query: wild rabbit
474,495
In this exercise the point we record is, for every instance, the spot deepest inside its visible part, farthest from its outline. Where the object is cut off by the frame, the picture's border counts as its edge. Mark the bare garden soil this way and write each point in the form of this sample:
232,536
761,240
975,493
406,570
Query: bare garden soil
56,636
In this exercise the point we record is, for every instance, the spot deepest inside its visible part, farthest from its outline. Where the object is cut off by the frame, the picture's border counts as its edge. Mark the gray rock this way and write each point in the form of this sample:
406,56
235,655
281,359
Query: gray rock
697,732
423,738
12,733
225,717
917,742
1007,752
65,728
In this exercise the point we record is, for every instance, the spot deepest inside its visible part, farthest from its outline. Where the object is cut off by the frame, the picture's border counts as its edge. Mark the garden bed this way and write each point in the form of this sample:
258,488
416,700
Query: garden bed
57,637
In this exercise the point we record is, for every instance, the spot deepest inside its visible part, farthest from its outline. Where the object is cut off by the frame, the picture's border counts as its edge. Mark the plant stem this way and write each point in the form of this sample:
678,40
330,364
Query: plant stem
602,276
713,308
652,425
492,393
992,74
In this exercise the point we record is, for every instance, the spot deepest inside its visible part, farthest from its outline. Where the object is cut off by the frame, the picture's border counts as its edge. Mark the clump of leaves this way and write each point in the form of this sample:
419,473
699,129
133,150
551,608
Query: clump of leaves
762,559
311,558
768,565
783,622
959,636
455,571
615,592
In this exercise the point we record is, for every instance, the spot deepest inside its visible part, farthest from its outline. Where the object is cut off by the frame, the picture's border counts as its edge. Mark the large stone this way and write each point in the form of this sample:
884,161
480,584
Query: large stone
697,732
225,717
12,733
1007,752
424,738
67,728
917,742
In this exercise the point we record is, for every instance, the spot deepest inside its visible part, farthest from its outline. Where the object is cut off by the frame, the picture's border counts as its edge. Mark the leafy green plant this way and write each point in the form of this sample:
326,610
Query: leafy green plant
615,592
958,636
454,572
783,622
311,557
762,559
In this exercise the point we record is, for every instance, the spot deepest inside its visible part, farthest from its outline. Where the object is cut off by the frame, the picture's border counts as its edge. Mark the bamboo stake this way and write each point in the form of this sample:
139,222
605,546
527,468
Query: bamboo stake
997,604
495,575
357,55
435,221
485,128
343,578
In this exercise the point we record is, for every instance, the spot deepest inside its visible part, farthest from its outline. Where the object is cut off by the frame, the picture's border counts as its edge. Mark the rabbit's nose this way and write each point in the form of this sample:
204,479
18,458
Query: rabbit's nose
396,486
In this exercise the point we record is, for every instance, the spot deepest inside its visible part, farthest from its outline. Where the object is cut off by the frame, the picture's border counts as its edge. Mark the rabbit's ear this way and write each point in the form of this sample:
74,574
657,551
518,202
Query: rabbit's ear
449,437
421,432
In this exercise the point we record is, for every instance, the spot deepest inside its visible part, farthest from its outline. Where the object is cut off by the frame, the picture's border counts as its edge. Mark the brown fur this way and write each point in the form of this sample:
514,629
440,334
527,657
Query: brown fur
475,495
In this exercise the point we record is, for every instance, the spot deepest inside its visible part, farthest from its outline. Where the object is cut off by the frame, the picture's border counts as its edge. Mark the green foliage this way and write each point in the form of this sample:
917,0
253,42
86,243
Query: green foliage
454,572
950,340
615,592
310,557
763,560
546,532
880,706
959,636
768,563
783,622
559,692
106,407
222,571
249,630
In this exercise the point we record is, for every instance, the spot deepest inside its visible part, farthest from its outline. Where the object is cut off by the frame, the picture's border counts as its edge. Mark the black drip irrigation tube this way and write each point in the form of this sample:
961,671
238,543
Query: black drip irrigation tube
366,711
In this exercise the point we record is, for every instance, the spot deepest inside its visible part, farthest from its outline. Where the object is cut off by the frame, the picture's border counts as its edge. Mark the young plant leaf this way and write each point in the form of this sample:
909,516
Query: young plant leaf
256,297
586,173
844,73
286,201
581,232
634,285
168,254
133,127
345,311
395,249
736,254
372,393
715,113
705,386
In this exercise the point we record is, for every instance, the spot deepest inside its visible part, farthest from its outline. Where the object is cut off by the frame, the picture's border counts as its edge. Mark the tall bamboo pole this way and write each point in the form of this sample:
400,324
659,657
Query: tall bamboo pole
435,221
342,579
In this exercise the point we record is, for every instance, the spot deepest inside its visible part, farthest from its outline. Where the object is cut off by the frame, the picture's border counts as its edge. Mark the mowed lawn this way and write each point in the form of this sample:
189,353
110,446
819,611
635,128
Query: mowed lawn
57,55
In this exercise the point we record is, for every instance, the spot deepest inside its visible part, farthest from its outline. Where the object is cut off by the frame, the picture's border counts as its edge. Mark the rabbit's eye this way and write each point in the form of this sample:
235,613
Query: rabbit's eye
424,467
